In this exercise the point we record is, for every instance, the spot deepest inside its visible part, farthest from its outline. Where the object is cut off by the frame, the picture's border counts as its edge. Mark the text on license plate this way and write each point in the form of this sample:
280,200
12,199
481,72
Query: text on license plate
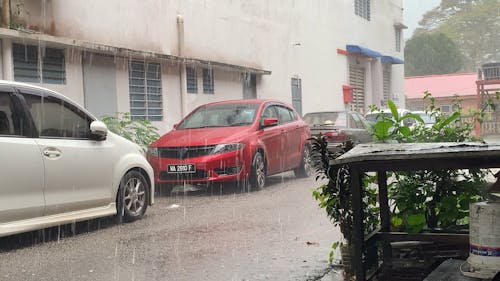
181,168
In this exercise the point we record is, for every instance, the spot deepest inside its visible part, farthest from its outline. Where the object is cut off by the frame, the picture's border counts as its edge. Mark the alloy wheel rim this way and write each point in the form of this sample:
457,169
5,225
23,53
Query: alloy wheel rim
307,162
134,197
259,169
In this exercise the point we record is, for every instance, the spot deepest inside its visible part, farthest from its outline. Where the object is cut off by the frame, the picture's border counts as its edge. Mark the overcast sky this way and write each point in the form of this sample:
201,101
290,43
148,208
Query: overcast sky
413,10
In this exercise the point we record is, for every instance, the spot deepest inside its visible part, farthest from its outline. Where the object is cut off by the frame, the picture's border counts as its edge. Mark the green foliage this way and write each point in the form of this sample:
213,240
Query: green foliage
472,25
139,131
335,195
433,199
433,53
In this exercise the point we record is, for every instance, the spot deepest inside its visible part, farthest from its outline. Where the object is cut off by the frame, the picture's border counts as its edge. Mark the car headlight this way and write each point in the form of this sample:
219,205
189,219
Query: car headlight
153,151
227,147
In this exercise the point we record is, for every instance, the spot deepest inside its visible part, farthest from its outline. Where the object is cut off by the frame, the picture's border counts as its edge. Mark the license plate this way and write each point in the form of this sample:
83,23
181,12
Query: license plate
181,168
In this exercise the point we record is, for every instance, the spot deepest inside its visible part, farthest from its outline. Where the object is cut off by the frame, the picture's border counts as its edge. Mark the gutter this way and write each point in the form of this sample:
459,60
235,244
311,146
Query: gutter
25,35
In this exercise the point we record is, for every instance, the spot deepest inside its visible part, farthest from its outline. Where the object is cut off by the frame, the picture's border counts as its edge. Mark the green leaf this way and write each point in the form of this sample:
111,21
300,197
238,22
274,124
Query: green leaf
393,109
445,122
382,129
415,223
396,221
405,131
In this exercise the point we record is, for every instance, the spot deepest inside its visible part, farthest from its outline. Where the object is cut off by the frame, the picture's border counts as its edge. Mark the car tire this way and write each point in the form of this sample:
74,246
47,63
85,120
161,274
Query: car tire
305,168
133,196
258,172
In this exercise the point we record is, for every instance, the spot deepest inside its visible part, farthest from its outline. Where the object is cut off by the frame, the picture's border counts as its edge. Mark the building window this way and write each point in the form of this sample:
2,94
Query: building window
386,84
28,61
357,79
191,80
208,81
297,94
398,39
362,8
145,91
445,108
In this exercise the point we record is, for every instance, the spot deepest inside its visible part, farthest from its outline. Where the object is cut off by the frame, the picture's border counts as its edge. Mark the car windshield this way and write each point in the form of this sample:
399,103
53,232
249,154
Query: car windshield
334,119
221,115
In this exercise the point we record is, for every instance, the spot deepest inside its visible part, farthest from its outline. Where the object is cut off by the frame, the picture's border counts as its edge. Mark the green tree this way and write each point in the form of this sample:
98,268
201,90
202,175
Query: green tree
472,25
433,53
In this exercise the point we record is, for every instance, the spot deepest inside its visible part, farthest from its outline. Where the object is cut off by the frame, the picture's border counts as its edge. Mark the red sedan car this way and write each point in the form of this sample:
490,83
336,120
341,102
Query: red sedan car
239,141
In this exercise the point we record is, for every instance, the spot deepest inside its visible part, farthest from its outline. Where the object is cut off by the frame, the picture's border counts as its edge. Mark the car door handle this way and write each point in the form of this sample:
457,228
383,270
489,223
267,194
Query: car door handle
51,152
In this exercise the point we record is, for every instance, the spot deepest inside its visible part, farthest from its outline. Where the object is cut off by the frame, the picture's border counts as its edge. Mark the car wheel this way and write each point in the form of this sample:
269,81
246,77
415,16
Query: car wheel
258,173
305,168
132,197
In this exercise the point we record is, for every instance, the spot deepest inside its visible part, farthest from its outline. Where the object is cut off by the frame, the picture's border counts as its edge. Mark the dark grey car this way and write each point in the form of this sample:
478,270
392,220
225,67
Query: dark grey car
339,126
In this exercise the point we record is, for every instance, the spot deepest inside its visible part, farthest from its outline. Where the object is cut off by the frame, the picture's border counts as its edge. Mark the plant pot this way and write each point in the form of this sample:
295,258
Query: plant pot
346,254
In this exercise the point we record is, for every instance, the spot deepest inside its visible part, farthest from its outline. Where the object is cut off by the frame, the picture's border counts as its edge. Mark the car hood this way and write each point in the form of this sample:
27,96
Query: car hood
202,136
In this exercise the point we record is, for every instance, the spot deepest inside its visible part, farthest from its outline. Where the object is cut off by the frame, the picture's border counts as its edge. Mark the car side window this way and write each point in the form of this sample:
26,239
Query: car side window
356,121
285,115
7,122
269,112
55,118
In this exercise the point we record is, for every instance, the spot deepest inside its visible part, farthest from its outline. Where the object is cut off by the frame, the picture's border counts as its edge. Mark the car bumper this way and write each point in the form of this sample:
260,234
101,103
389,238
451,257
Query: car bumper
227,167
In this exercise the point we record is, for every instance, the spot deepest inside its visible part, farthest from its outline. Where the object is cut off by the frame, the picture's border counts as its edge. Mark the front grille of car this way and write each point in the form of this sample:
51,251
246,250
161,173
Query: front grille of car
185,152
200,174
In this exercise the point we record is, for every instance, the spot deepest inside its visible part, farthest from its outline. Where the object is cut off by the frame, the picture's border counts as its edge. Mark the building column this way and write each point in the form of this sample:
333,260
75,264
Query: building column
377,82
7,62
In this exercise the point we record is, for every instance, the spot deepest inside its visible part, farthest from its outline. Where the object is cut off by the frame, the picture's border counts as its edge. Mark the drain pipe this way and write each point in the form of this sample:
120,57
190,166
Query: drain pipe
5,13
182,65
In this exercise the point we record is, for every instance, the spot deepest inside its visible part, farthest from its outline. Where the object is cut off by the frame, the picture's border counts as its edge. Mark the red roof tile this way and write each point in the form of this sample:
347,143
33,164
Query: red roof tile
445,85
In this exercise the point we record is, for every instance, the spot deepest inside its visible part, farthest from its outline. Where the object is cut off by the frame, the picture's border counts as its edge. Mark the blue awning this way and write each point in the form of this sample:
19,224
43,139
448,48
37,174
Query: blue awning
392,60
355,49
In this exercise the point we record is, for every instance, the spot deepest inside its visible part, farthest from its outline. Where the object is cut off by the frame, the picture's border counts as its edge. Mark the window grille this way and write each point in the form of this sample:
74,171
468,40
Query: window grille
357,79
208,81
27,64
145,91
191,80
297,94
398,39
362,8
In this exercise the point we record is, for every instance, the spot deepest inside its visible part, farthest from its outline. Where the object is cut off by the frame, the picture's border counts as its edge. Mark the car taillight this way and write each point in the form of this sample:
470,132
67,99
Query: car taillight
336,136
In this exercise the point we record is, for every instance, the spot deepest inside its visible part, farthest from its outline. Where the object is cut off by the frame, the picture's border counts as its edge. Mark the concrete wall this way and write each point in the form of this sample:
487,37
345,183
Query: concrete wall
296,38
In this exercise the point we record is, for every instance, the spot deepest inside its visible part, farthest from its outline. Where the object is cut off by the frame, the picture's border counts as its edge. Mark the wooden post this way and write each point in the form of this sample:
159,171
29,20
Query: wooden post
385,214
358,233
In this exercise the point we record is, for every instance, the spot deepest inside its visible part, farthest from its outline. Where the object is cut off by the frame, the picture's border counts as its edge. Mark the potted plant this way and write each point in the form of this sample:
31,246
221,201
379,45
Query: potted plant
334,194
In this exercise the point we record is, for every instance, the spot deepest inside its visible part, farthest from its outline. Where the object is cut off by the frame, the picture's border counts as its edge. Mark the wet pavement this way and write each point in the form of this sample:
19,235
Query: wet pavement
278,233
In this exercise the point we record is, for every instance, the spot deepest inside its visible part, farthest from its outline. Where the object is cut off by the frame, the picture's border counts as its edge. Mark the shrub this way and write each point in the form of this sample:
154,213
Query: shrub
140,131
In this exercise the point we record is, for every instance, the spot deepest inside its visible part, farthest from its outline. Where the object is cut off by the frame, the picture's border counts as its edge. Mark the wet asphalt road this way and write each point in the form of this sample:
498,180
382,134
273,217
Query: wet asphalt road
277,233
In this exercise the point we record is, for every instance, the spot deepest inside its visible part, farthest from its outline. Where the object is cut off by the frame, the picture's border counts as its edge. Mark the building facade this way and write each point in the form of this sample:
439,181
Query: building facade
159,59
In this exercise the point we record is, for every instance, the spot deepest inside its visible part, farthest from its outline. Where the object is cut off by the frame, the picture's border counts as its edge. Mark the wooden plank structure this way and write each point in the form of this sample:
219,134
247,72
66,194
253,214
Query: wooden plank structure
381,158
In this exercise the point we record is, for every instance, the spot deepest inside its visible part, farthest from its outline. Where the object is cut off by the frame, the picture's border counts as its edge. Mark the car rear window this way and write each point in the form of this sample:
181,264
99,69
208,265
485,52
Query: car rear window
334,119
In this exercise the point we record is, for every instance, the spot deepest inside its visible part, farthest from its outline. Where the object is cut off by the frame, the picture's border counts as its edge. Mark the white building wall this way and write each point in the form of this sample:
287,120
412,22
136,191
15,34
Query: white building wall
290,38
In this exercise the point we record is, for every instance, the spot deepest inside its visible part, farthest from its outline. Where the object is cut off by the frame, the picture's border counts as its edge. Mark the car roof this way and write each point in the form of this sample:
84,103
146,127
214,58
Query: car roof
45,90
332,111
247,101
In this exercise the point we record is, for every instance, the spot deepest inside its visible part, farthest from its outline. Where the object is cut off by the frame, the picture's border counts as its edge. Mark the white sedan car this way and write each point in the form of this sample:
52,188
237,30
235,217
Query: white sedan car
60,165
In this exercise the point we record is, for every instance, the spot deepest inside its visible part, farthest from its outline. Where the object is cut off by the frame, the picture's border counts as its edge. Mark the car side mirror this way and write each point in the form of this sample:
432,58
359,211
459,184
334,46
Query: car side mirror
176,125
99,130
269,122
